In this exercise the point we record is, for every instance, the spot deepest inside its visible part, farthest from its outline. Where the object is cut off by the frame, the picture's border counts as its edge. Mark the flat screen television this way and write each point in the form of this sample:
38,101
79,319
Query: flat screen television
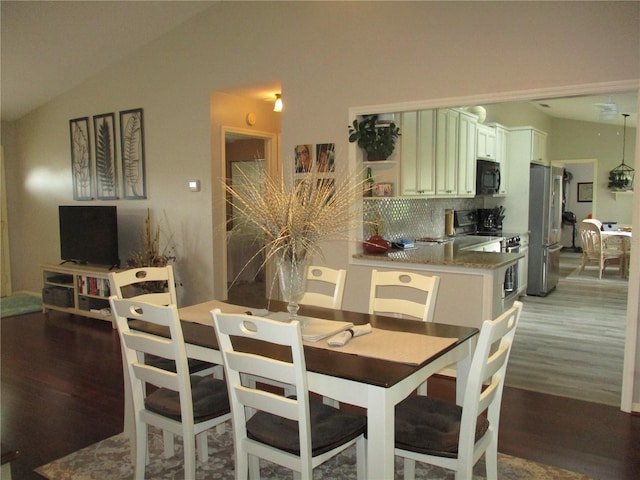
89,234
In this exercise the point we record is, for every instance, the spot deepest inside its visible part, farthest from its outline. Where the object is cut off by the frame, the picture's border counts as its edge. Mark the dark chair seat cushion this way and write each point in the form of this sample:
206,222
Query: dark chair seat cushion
209,395
330,428
431,426
195,366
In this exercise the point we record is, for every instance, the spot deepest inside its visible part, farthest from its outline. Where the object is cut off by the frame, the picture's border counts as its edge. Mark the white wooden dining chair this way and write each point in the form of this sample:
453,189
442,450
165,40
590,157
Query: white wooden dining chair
403,294
183,404
595,251
148,284
440,433
291,431
328,285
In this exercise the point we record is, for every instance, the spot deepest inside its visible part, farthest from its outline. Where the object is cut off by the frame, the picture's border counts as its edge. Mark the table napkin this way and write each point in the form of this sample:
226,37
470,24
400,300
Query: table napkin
342,338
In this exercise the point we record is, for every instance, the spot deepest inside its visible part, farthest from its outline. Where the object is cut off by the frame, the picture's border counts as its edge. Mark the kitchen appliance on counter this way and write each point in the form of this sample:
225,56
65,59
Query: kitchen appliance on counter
487,177
545,223
490,219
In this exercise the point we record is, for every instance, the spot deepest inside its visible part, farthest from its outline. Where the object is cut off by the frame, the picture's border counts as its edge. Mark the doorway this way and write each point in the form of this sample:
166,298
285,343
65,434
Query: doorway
245,159
579,171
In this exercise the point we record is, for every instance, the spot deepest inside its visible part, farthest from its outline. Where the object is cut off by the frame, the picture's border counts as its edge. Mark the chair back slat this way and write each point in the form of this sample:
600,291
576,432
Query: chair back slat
329,279
268,402
398,293
282,372
135,283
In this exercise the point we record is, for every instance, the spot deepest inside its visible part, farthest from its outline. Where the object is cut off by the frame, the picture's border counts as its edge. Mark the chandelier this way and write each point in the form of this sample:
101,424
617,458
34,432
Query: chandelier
621,177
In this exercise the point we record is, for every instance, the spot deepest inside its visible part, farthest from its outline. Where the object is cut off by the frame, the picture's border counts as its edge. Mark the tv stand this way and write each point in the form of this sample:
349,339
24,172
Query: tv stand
77,289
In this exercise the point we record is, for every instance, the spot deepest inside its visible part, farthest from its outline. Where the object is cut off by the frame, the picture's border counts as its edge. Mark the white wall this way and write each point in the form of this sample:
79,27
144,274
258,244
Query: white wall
329,56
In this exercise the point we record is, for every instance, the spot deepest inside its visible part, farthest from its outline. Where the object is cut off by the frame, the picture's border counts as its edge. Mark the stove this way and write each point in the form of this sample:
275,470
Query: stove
488,223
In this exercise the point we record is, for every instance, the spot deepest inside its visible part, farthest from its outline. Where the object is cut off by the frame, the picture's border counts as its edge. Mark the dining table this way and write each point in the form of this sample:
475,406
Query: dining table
623,238
374,372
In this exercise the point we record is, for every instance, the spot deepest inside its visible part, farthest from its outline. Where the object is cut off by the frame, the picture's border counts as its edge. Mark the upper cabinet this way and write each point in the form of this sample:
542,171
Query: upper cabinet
501,153
487,143
438,153
529,143
447,152
467,135
417,167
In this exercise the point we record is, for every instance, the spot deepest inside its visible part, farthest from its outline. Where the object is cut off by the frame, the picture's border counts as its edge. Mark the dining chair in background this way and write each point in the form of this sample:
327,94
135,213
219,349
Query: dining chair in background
419,292
595,251
182,404
292,431
440,433
319,278
406,295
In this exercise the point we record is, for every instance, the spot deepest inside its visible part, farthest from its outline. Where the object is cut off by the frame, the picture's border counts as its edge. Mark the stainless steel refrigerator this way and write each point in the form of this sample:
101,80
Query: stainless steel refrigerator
545,222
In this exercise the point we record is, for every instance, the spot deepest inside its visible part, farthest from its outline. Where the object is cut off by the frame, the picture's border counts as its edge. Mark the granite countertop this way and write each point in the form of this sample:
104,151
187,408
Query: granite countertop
455,253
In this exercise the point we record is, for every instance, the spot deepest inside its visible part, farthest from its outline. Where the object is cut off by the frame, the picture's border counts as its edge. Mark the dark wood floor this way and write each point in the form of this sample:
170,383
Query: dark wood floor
62,390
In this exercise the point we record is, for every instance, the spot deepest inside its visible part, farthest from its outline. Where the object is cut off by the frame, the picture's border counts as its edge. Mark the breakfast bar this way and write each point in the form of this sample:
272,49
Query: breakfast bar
471,279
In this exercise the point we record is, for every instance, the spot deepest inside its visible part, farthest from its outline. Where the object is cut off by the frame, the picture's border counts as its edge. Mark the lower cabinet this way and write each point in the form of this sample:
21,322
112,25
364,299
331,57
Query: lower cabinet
77,289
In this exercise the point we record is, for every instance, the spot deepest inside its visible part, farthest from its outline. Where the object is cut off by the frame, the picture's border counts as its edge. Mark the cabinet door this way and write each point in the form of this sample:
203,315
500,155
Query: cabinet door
539,147
418,153
446,152
502,156
467,128
486,143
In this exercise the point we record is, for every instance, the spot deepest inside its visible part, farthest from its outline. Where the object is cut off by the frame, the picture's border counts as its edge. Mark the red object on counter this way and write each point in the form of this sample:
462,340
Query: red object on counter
376,244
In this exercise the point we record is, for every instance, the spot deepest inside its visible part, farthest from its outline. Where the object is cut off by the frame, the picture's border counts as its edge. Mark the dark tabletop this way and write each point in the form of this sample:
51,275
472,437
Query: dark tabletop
363,369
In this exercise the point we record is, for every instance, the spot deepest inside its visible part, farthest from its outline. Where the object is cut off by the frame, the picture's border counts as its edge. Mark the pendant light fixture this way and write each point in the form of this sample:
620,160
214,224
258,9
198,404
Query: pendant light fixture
621,177
277,107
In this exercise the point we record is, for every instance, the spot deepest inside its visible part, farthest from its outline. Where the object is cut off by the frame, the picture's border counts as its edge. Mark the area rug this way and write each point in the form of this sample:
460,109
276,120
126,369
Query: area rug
110,459
19,304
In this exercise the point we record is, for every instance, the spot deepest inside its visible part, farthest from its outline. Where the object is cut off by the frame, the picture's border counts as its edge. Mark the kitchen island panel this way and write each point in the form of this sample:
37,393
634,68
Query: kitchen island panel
466,296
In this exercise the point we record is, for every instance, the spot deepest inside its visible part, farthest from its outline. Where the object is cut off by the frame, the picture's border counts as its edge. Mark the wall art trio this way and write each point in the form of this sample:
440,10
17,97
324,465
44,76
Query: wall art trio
100,179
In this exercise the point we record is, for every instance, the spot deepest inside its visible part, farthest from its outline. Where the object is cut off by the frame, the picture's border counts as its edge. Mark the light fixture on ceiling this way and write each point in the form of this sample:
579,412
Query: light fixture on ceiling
621,177
277,107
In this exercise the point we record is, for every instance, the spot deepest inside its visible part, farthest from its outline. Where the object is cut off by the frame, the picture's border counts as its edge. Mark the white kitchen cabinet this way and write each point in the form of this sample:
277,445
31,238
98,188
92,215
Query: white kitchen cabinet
529,142
417,168
447,153
523,271
487,143
467,133
502,156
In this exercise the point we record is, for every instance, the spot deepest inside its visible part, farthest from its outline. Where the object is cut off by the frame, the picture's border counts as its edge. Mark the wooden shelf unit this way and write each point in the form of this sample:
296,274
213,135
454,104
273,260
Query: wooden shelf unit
77,289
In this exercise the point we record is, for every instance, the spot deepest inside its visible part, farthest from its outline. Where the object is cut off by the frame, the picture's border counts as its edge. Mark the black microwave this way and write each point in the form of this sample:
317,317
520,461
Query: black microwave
487,177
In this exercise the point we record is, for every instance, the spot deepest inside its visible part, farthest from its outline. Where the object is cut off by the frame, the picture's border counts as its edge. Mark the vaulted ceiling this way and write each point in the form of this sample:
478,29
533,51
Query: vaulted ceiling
49,48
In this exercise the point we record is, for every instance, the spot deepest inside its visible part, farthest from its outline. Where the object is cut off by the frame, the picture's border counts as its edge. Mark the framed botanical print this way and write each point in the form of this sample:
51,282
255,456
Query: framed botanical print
106,166
132,154
81,159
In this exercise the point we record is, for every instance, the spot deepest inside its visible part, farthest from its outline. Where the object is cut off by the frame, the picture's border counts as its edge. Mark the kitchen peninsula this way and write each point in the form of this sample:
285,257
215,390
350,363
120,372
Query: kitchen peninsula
471,279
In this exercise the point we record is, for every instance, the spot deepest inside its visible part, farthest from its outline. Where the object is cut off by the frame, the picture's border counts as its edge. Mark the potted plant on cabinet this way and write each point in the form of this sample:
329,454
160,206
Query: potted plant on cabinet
377,139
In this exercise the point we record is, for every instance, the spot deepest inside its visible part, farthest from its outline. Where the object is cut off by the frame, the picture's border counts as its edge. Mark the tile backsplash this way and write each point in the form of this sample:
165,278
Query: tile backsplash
412,218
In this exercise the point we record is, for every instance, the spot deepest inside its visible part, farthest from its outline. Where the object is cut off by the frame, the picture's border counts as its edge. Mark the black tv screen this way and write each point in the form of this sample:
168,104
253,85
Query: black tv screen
89,234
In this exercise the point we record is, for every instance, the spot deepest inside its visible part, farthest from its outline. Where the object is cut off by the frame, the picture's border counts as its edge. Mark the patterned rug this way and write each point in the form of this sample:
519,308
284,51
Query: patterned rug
19,304
110,459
